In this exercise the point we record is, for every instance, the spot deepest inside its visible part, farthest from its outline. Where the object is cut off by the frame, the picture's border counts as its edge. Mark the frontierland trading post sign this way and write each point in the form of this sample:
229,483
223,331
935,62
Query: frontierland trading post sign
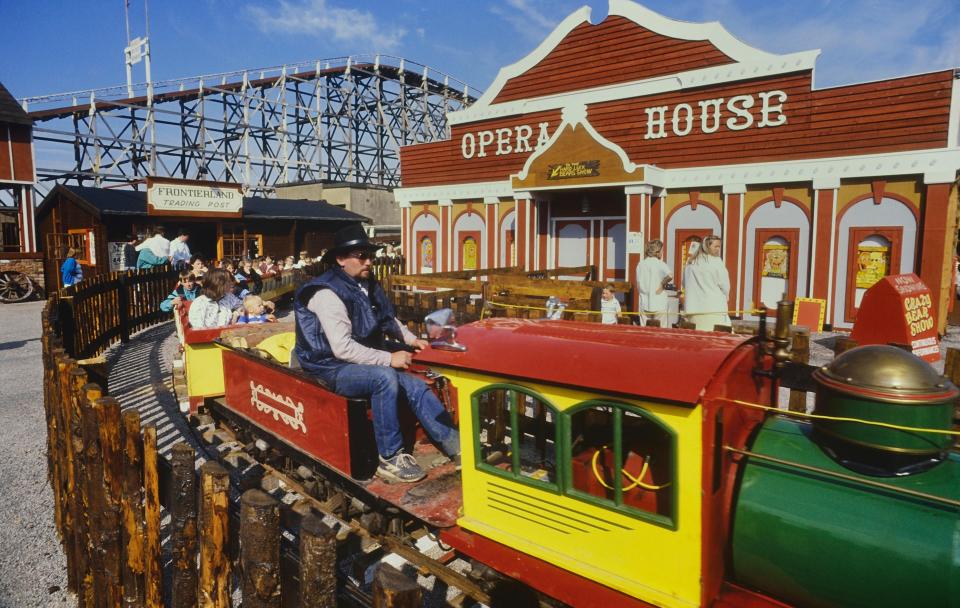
193,198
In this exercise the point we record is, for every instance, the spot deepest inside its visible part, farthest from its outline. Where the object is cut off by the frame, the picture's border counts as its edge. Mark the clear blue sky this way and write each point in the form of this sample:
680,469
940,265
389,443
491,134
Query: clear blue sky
53,46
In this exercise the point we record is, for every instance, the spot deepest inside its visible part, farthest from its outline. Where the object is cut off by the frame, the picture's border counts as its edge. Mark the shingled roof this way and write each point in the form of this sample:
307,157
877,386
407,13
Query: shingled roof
130,202
10,110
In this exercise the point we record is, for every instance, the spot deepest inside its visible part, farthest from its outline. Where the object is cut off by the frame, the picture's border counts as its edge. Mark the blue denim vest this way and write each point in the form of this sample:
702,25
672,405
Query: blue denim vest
371,318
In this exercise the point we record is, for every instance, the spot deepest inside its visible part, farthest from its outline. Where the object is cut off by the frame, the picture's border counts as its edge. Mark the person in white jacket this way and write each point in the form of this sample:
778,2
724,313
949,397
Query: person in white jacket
653,275
706,287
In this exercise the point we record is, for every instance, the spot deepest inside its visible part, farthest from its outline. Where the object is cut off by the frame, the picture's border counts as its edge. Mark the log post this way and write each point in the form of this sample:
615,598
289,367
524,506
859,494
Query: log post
93,473
183,526
843,344
123,306
260,550
80,502
153,573
108,419
391,589
54,425
131,504
653,323
951,365
800,353
214,531
318,564
68,506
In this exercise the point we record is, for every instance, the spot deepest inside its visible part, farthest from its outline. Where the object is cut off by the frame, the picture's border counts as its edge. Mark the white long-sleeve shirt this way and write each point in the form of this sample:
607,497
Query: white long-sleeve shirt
336,325
706,286
650,275
157,244
179,251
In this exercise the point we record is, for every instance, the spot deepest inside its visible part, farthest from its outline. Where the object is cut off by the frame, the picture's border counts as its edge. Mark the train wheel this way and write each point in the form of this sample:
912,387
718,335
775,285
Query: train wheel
15,287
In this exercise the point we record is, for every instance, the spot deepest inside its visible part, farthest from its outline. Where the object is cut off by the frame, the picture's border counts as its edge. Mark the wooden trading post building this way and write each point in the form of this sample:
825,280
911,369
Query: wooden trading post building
641,127
97,220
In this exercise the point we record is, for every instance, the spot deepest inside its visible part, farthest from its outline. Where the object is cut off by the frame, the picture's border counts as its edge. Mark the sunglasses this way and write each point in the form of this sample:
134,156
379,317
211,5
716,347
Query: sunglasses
361,255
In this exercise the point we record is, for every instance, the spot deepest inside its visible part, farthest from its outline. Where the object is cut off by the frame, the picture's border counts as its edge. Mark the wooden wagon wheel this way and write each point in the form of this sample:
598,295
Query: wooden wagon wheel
15,287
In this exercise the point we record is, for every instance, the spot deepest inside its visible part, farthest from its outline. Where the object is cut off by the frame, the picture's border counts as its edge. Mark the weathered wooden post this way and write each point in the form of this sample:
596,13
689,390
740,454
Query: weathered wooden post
653,323
391,589
183,526
132,507
260,550
67,323
93,476
843,344
54,425
800,353
153,574
80,502
123,306
318,564
108,419
68,506
214,536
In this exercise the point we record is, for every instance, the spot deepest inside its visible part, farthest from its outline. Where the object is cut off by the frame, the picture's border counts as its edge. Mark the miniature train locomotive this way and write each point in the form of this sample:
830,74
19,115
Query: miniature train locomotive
633,466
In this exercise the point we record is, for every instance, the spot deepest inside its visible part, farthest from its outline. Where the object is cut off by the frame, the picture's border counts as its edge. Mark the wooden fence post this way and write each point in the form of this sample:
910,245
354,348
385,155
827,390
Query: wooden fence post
68,507
318,564
800,353
80,501
153,573
183,526
131,503
67,324
214,530
108,419
842,345
93,467
391,589
260,549
123,303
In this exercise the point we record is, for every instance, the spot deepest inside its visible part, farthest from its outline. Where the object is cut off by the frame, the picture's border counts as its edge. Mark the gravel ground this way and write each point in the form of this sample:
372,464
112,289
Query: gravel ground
32,565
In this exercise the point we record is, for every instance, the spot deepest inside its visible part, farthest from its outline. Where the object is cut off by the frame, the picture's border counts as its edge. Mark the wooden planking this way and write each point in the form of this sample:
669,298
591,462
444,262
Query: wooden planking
617,42
909,113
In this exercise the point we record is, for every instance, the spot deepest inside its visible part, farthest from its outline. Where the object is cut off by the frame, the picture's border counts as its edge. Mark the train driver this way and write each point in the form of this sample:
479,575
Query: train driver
342,319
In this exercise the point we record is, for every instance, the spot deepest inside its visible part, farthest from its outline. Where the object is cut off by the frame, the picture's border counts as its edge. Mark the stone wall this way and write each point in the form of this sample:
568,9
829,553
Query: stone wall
29,264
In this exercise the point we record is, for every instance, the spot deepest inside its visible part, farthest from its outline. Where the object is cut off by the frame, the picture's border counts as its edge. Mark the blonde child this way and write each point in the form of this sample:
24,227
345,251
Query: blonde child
255,311
609,306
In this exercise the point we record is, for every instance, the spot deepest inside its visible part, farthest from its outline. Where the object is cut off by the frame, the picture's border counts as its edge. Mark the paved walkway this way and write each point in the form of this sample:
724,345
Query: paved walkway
33,570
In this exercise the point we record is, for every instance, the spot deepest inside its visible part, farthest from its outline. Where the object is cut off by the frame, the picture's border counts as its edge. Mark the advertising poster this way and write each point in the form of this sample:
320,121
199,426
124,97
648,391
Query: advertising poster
872,264
775,260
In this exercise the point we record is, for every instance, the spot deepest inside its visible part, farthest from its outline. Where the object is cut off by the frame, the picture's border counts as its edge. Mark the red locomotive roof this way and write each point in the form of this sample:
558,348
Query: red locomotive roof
670,365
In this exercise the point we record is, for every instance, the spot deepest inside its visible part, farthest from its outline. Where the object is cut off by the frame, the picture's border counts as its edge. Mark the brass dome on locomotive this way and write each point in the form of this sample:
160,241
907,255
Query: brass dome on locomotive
889,385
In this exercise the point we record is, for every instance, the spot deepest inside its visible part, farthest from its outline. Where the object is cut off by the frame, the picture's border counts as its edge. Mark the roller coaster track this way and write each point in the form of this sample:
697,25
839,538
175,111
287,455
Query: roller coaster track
341,119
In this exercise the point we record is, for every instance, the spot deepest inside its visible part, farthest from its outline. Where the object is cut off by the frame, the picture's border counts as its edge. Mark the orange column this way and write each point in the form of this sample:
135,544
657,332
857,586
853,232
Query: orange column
543,227
491,204
444,256
637,206
522,239
732,239
820,253
936,263
405,237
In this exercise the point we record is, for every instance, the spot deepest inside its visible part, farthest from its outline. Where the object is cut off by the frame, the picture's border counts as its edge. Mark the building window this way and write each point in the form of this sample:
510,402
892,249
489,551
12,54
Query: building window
515,434
623,458
238,245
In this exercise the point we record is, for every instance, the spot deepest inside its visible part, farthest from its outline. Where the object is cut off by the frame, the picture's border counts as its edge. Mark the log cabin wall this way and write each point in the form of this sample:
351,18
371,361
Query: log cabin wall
691,131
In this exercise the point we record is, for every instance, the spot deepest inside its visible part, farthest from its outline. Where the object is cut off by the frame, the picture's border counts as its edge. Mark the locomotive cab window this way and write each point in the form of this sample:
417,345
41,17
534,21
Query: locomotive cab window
515,434
623,458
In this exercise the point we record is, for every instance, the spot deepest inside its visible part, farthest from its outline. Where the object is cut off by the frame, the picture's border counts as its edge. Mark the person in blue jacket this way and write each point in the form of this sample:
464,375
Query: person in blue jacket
186,291
71,272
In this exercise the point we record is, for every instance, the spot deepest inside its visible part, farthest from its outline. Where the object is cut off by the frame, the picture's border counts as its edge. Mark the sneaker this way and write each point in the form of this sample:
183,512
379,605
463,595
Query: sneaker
401,467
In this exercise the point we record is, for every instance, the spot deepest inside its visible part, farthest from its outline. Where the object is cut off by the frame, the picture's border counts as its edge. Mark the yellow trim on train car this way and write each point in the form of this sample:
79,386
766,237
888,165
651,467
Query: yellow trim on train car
656,559
203,364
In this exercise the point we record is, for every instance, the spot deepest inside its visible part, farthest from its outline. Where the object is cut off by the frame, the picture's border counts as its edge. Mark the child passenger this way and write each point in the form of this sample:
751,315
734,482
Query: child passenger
609,306
255,311
186,291
214,307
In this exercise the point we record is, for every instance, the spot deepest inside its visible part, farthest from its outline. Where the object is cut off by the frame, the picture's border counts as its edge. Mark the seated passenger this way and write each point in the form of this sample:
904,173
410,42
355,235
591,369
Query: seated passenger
215,306
248,278
186,291
255,311
342,319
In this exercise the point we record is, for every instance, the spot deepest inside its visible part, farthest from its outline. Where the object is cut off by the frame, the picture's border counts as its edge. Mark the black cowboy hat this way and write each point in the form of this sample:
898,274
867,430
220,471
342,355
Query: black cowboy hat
347,239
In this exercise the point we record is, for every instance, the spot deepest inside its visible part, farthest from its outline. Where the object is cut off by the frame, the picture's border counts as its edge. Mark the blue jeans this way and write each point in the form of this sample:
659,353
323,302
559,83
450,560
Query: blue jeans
383,385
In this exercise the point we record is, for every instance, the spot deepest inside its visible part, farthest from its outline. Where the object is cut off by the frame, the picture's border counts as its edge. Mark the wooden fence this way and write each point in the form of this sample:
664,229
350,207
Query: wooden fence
508,292
109,484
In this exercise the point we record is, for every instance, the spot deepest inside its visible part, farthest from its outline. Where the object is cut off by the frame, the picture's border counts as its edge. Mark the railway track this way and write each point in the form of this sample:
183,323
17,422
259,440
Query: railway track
370,535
